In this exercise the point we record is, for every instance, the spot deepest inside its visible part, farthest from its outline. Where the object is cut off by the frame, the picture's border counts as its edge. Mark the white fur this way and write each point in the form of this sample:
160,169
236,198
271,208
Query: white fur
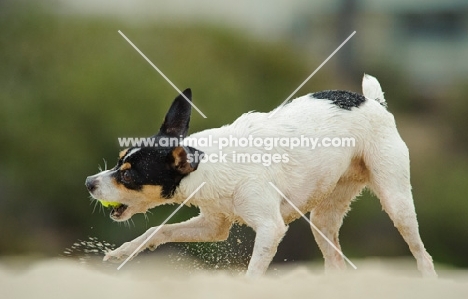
106,187
371,89
322,181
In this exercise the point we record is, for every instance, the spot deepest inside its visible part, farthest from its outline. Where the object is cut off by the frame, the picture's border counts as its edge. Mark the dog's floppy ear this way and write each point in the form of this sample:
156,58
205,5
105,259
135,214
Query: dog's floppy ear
176,122
185,159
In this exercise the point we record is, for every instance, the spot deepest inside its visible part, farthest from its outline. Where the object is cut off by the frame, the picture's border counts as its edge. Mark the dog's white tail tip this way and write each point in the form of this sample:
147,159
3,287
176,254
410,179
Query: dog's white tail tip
371,89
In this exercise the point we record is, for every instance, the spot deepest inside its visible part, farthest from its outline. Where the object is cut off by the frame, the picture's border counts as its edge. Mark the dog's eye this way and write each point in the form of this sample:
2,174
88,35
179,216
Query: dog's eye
126,176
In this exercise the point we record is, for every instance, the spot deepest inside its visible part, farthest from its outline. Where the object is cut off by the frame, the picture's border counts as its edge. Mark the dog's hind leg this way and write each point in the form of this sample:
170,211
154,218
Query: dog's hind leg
390,181
328,218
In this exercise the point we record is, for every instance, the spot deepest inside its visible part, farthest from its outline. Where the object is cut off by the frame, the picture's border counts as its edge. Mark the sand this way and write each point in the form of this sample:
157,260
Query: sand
155,278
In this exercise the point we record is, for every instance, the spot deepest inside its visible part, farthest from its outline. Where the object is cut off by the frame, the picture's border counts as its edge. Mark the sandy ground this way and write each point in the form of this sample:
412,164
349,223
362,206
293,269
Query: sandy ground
149,276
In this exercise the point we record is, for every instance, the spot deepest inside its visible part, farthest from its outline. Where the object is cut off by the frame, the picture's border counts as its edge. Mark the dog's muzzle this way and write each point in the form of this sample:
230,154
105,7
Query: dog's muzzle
90,184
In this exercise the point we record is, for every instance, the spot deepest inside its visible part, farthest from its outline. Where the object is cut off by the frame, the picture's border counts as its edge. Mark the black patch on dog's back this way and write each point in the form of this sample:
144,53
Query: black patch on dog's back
341,98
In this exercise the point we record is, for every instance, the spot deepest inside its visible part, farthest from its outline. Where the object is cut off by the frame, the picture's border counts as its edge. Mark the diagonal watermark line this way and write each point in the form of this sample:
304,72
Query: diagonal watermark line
311,75
313,226
161,73
159,227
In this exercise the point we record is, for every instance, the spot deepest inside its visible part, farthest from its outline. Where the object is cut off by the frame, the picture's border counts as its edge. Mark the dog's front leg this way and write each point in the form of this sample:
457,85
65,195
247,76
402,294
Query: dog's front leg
268,236
203,228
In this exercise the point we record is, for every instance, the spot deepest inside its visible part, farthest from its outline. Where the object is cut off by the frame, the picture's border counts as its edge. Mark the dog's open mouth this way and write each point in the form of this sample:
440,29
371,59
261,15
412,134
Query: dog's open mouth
118,210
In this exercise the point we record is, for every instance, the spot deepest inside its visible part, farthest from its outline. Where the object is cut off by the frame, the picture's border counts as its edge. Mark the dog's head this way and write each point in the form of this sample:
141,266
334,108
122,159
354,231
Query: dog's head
146,177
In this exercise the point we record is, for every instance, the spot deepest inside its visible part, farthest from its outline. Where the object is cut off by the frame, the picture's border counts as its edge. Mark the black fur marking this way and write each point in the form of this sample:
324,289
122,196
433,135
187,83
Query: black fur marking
343,99
151,166
176,122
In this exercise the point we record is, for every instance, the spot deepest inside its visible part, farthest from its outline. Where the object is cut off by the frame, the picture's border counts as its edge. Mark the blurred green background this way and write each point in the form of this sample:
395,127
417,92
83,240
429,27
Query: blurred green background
70,85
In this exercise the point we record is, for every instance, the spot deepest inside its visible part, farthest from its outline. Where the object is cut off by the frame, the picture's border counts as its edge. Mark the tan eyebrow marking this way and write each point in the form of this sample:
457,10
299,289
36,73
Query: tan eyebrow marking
123,153
125,166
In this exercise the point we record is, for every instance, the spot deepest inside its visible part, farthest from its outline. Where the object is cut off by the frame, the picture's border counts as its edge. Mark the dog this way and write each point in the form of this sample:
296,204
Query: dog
323,181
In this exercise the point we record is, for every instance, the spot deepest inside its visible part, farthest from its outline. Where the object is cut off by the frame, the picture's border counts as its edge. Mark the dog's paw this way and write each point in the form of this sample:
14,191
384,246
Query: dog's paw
122,252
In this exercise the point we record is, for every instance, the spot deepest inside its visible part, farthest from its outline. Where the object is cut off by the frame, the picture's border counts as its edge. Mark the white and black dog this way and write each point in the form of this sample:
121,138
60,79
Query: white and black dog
322,181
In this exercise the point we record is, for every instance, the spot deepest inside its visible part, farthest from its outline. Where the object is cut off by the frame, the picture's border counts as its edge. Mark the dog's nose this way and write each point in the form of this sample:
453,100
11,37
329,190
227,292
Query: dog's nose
90,184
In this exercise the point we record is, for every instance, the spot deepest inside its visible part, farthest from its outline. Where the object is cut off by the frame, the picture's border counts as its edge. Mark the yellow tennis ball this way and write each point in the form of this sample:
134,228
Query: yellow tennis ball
108,204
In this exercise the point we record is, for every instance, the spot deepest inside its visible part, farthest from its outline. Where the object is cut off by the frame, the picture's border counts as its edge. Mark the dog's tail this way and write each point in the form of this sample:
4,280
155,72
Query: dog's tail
371,89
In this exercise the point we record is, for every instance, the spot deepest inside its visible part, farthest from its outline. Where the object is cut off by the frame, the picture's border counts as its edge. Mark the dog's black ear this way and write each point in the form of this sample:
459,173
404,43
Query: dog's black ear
176,122
185,159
